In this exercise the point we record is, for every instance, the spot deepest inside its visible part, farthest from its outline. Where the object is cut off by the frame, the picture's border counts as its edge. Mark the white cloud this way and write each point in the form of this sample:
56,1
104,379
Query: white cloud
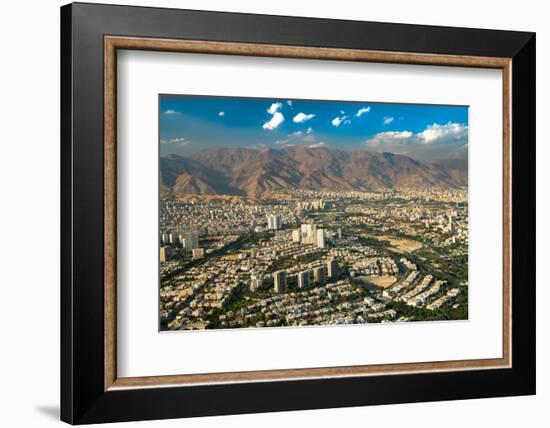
309,130
388,120
317,145
302,117
362,111
450,132
436,141
277,117
274,108
337,121
289,102
170,111
180,141
295,134
221,114
389,138
275,121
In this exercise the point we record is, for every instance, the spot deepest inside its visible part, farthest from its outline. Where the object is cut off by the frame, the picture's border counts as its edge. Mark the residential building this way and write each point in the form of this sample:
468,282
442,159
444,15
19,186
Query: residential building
319,275
274,222
256,281
198,253
332,268
320,241
165,253
303,279
190,240
279,280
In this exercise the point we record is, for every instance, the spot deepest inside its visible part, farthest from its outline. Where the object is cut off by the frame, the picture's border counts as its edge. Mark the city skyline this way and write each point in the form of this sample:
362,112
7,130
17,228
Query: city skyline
315,258
189,124
287,213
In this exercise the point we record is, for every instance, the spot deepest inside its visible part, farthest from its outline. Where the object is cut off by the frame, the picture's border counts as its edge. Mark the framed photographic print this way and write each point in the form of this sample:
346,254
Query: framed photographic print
266,213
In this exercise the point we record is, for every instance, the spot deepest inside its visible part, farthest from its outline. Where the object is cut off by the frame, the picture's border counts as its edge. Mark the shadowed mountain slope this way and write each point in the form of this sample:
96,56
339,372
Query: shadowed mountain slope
256,172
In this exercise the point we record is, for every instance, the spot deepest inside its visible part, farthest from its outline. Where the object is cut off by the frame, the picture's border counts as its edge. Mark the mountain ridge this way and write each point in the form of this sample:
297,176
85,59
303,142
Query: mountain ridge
252,173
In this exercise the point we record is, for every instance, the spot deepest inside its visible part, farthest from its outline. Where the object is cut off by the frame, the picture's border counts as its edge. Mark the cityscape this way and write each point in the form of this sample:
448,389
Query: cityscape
300,233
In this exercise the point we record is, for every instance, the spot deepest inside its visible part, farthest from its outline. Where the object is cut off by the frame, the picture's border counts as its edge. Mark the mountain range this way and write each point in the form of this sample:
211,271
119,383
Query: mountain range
256,173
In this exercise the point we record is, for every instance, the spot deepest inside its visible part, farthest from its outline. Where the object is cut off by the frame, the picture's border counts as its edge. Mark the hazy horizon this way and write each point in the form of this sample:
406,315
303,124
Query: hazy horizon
165,155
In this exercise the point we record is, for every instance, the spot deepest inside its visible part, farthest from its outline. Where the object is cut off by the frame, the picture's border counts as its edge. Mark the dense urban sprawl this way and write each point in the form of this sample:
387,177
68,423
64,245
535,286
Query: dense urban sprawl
314,258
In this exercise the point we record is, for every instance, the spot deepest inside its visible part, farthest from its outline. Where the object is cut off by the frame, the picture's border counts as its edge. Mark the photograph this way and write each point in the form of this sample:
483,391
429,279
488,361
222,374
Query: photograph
282,212
268,213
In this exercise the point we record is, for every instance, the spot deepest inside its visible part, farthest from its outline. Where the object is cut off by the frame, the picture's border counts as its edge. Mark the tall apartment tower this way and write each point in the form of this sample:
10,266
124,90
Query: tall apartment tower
304,232
279,280
274,222
256,281
332,268
320,241
319,275
195,239
164,253
309,233
278,221
191,240
312,238
303,279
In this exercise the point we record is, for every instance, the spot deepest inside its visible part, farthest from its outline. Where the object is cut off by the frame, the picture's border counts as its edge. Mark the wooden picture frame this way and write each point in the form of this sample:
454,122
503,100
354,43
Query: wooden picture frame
91,390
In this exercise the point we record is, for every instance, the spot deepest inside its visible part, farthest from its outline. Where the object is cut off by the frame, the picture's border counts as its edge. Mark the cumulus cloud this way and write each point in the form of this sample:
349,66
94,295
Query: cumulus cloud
275,121
289,102
179,141
274,108
276,117
170,111
309,130
339,120
336,121
388,120
302,117
434,142
389,138
362,111
221,114
448,133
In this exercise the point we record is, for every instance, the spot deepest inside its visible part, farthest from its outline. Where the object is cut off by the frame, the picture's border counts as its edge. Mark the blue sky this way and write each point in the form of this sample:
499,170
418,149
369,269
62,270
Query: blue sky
425,132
